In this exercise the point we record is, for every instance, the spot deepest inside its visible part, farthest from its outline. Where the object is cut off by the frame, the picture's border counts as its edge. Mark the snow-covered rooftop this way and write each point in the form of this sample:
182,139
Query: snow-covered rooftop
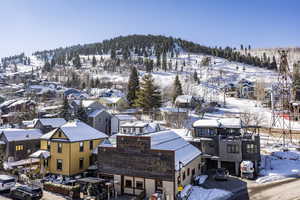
213,123
54,122
40,153
219,123
123,117
77,131
96,112
184,99
167,140
13,134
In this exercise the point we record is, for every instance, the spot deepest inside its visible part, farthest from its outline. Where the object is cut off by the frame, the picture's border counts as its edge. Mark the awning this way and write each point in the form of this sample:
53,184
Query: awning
40,154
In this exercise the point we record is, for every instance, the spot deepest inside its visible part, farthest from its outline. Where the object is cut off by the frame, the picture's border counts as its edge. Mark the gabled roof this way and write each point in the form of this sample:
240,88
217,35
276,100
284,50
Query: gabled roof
111,100
123,117
95,112
13,134
169,140
77,131
54,122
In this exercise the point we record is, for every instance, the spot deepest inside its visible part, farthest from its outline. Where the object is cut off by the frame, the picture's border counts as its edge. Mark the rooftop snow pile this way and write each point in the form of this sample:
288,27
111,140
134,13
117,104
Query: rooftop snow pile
219,123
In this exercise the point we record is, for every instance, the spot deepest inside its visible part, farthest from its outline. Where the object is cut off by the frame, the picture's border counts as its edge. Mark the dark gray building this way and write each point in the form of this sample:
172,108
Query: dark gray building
19,143
226,143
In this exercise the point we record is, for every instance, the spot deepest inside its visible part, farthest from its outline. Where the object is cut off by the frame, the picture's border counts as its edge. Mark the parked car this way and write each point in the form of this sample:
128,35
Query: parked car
221,174
26,192
6,182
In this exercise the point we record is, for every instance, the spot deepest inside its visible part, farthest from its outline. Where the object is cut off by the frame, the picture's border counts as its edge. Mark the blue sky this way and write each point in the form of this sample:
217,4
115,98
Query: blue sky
29,25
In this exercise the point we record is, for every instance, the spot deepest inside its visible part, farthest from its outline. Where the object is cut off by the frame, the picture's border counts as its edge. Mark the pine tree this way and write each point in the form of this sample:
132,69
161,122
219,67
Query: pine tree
148,96
97,83
133,86
273,63
65,109
158,60
195,76
47,67
81,114
77,62
92,83
177,88
113,54
94,62
164,61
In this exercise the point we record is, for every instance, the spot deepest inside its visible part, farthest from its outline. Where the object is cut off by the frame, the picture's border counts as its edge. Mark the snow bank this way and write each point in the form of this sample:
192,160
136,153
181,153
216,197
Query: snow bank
199,193
279,165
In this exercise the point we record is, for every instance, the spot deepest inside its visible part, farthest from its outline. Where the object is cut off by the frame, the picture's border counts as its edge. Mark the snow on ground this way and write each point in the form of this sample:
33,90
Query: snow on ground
199,193
278,164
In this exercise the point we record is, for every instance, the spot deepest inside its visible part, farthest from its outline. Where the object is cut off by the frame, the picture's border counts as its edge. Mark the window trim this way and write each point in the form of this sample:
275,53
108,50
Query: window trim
59,147
61,162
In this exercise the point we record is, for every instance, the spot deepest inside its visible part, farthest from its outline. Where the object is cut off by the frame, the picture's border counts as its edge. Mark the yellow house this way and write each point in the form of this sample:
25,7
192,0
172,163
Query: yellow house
68,149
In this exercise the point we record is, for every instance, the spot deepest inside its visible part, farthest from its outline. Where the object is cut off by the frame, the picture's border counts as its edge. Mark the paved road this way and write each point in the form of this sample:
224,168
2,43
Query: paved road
287,189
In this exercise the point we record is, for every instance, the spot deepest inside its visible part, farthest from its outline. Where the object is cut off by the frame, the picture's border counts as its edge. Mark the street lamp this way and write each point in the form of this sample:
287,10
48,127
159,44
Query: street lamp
181,166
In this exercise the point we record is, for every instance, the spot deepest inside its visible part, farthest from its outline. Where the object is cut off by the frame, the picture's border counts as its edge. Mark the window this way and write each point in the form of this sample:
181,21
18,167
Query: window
183,176
178,180
193,172
59,148
232,148
91,160
81,146
91,145
139,185
81,163
48,145
188,171
59,164
45,163
128,183
59,134
251,148
199,166
19,148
